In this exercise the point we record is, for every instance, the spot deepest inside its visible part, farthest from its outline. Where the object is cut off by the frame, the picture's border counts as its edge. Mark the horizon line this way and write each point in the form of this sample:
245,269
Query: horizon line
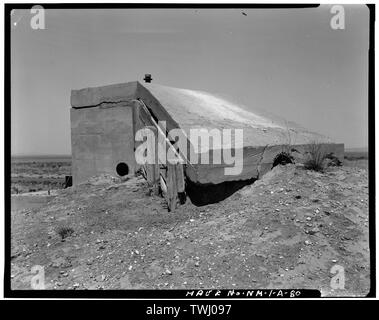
69,155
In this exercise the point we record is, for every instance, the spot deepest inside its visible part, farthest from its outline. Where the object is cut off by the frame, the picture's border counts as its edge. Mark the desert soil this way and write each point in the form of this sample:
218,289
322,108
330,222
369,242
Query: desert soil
286,230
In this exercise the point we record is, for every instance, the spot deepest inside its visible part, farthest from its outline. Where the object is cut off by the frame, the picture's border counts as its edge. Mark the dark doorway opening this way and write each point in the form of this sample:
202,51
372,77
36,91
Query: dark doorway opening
67,181
203,194
122,169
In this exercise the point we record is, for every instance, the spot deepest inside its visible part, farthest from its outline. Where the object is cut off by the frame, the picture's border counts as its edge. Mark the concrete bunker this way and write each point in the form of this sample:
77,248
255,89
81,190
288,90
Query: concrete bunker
104,121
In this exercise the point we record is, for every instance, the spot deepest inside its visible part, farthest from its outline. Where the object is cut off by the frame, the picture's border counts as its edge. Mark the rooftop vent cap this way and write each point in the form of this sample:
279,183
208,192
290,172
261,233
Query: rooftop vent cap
148,78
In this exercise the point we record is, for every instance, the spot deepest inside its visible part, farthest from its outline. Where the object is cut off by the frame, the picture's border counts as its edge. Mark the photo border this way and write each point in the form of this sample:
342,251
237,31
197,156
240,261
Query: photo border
164,294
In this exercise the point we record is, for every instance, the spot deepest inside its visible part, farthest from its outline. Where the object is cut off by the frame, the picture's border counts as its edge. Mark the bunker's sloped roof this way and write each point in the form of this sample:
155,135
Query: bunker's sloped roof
197,109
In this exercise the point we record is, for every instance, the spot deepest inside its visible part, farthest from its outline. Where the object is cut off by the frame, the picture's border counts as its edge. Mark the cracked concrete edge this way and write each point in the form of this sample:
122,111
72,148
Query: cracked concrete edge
259,166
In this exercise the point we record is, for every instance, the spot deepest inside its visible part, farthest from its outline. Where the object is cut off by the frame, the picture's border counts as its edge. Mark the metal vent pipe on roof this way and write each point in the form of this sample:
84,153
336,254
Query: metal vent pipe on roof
148,78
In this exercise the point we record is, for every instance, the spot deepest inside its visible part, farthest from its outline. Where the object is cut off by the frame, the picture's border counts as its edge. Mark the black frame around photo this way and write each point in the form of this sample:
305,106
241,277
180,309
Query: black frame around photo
165,294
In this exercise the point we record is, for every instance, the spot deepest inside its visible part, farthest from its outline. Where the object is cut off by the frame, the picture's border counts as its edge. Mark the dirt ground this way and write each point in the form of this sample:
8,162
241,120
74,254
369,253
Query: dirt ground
286,230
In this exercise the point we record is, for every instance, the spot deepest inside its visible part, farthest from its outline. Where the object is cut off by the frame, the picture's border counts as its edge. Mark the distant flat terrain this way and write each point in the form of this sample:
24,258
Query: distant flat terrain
48,158
36,173
357,157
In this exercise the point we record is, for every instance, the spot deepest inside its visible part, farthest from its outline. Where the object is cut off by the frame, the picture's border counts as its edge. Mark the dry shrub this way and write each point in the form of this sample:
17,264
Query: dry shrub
282,158
64,231
316,157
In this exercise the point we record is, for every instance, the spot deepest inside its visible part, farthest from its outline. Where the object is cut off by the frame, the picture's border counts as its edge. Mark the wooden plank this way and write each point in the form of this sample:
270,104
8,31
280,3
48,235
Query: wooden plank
136,117
150,174
163,186
150,167
136,127
156,165
180,177
172,191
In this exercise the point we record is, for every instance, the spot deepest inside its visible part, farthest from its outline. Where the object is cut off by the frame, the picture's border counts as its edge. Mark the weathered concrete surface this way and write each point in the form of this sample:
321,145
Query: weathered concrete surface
196,109
264,135
90,97
190,109
100,139
256,162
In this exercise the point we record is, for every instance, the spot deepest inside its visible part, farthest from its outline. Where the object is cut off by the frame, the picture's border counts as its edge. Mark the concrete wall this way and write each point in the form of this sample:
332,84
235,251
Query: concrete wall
256,162
101,137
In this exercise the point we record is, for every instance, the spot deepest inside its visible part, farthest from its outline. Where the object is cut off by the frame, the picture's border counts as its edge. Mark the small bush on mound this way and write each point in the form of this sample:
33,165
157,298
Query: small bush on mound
316,157
282,158
65,231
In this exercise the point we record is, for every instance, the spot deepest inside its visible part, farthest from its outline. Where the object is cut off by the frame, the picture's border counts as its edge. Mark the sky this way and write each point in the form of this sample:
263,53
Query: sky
289,62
